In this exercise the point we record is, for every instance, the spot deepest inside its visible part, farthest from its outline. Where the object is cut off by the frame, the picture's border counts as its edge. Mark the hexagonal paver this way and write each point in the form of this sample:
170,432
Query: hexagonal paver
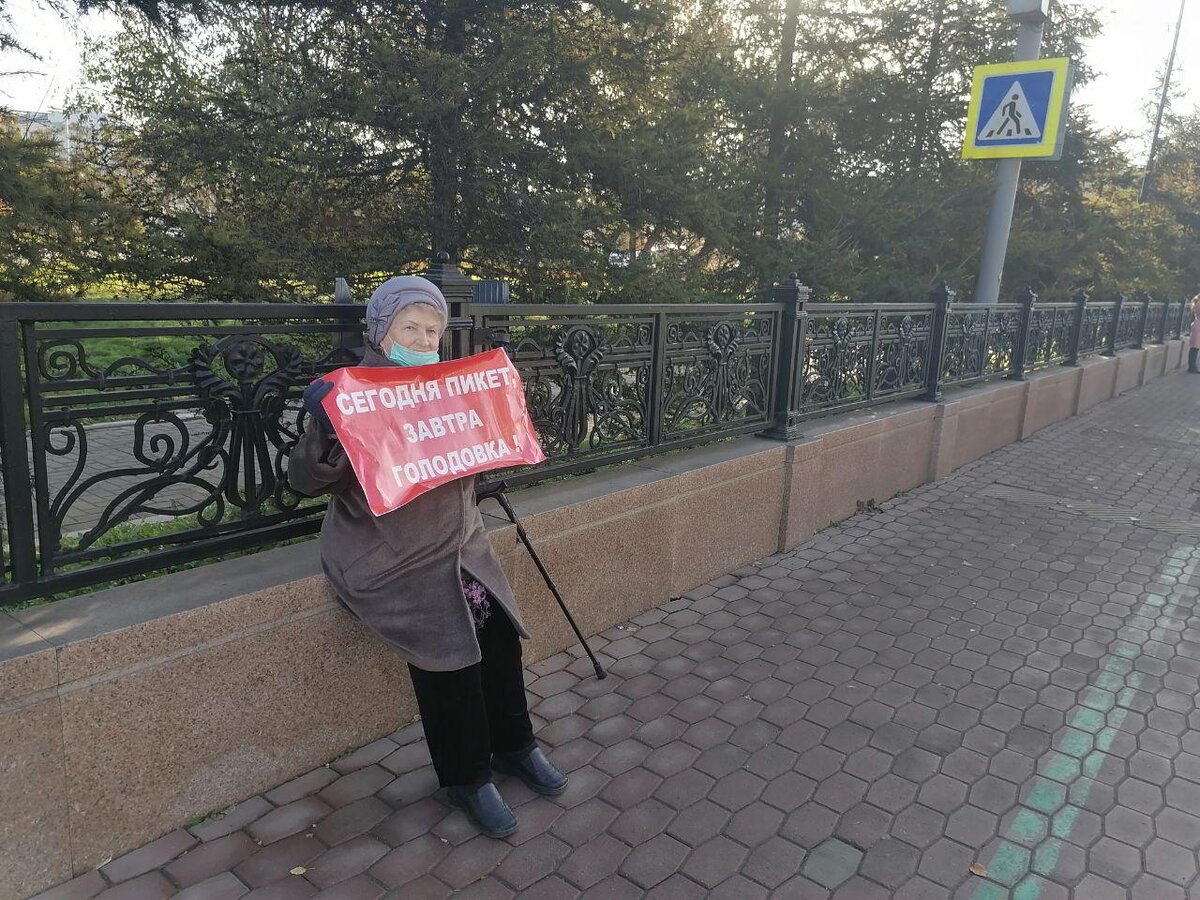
1171,862
945,861
832,863
891,862
654,861
774,862
1117,862
715,861
1129,826
1006,862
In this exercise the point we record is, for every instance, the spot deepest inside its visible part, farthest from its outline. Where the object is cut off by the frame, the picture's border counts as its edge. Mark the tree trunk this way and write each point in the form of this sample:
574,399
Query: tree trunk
445,135
923,124
777,137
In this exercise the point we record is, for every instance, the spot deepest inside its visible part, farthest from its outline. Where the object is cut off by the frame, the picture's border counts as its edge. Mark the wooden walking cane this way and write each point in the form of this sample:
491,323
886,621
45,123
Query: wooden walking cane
496,489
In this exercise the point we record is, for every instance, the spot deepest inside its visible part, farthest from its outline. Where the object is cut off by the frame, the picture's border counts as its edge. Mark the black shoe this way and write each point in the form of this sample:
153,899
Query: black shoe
532,767
486,808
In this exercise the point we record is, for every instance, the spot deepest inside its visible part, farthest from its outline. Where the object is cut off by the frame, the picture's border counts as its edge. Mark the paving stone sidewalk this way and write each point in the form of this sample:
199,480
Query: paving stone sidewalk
983,689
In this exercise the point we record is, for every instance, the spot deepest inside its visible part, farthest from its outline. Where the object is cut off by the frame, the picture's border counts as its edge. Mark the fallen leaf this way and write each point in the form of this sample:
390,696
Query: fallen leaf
299,870
978,869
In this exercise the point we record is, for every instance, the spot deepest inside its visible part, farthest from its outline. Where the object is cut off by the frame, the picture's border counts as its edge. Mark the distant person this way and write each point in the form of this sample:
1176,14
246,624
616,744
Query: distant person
1194,352
425,579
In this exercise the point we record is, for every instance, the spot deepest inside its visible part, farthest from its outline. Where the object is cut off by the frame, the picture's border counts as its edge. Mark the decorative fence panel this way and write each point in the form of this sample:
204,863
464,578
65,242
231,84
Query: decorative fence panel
857,355
154,435
606,384
718,373
981,342
1097,328
1129,325
1157,326
1051,335
587,377
136,437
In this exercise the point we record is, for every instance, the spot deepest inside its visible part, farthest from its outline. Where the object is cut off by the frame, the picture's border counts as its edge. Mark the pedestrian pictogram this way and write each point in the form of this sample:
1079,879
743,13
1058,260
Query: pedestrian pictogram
1018,110
1012,119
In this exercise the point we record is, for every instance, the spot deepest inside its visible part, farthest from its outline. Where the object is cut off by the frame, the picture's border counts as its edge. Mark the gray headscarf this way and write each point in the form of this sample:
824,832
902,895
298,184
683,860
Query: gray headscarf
395,294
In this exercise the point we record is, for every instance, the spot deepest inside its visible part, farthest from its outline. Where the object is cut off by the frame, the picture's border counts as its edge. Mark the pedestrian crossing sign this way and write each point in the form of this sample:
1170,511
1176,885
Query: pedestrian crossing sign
1018,110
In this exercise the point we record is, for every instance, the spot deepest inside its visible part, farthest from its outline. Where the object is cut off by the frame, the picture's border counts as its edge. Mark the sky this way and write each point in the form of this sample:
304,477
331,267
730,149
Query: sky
1128,55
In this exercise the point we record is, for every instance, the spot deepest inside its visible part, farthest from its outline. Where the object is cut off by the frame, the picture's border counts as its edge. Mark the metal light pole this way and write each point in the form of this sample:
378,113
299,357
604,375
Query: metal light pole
1030,16
1162,105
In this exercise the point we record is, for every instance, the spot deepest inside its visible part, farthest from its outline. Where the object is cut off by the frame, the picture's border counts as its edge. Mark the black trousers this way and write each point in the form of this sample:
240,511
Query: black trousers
471,713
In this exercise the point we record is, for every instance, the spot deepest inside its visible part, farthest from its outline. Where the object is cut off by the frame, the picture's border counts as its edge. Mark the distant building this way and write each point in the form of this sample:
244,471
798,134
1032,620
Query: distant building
68,130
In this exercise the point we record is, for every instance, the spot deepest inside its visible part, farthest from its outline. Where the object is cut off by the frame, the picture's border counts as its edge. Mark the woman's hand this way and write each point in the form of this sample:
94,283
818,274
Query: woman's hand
313,395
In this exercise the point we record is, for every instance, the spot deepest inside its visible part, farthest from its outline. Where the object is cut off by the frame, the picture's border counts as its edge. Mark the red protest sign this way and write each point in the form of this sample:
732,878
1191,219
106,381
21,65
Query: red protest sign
408,430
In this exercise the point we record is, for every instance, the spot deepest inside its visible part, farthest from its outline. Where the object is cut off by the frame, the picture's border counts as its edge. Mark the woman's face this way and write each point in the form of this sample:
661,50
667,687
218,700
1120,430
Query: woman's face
416,327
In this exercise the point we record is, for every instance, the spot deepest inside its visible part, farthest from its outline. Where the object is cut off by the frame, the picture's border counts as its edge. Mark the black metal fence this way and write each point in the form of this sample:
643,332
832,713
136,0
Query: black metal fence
858,355
608,383
136,437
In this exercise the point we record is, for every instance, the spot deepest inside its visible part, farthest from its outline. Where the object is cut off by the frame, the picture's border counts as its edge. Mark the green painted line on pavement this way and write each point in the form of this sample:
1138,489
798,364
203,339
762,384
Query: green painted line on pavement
1070,773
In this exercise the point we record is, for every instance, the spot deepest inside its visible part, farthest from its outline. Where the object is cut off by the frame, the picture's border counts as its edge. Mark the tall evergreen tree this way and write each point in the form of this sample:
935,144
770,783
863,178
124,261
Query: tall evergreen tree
630,149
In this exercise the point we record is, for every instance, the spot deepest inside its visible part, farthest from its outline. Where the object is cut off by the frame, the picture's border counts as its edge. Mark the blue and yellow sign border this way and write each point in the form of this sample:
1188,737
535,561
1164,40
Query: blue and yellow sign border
1050,146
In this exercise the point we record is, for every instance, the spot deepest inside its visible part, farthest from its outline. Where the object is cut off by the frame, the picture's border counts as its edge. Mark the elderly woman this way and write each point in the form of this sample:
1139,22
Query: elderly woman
424,578
1194,343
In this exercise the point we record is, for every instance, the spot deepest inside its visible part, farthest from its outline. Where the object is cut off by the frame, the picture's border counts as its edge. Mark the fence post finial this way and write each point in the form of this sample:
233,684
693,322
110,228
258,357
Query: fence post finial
350,335
454,285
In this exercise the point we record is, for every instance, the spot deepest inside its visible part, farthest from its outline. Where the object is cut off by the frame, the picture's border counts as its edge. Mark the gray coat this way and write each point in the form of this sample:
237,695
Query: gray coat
399,573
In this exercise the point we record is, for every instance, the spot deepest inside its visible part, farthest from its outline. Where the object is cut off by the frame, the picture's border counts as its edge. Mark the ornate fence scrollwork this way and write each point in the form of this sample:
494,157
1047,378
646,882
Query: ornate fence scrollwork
246,405
1129,329
613,382
717,372
904,356
837,364
160,434
1157,326
1097,324
855,355
586,378
589,407
980,342
1051,333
